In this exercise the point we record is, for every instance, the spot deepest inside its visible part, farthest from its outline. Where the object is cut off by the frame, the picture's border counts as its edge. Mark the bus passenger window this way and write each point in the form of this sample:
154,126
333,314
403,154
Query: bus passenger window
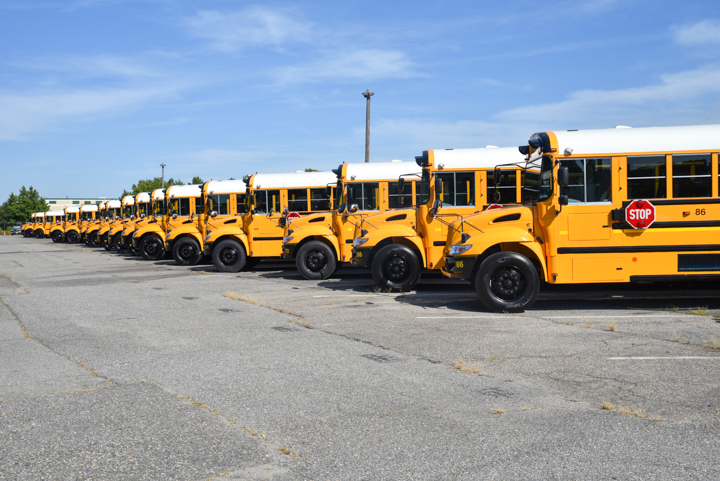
458,188
318,200
590,180
691,175
646,177
394,195
241,203
297,200
507,189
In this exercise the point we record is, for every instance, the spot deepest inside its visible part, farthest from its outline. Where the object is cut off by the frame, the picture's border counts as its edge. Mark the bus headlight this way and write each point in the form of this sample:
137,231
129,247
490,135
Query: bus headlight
459,249
287,239
360,241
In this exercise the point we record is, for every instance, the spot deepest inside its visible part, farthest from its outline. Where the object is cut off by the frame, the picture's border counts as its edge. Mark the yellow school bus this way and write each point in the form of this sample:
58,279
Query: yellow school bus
149,238
270,197
115,239
319,243
580,223
56,228
454,183
184,206
27,226
224,202
36,228
91,232
141,209
113,214
52,218
88,213
70,224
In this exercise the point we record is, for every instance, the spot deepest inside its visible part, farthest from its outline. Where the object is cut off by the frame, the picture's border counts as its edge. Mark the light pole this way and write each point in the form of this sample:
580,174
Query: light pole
367,94
163,175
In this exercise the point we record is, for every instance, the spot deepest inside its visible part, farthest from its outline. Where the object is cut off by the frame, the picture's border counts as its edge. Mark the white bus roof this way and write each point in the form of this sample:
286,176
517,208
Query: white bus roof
225,186
54,212
40,214
158,194
647,139
88,208
112,204
477,158
192,190
142,197
72,209
101,205
380,170
128,200
294,179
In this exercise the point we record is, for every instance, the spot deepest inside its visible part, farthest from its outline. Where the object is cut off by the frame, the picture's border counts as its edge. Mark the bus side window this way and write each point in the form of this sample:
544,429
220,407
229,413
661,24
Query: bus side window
458,188
646,177
507,189
394,195
318,201
297,200
590,180
692,175
241,204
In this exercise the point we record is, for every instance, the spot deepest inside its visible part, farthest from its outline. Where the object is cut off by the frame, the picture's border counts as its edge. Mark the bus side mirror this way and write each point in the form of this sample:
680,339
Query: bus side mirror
563,200
563,176
341,208
286,211
435,207
328,190
213,214
271,212
438,186
496,176
401,185
354,208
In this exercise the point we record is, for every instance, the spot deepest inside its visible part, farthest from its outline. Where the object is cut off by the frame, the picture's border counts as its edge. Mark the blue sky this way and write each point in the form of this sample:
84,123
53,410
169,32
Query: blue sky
95,94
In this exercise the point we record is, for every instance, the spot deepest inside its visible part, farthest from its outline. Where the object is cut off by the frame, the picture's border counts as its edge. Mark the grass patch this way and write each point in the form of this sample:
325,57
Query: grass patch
612,326
470,368
712,343
587,325
679,338
700,311
674,308
499,410
608,406
529,408
236,297
567,323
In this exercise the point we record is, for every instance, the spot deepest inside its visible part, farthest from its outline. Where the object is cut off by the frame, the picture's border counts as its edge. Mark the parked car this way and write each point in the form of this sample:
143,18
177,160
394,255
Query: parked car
16,229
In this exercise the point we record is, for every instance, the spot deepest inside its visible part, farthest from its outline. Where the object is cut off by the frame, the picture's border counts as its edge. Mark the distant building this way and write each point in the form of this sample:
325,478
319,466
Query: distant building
59,203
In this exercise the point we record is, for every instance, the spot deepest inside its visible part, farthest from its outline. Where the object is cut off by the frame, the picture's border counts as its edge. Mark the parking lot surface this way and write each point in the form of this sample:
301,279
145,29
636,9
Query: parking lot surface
112,367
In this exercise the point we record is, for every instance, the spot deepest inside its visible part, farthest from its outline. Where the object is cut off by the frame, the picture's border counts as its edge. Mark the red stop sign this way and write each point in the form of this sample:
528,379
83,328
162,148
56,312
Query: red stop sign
640,214
293,215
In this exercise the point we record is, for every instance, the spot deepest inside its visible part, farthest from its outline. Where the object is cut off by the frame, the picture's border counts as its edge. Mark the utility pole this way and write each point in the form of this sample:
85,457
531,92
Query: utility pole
367,94
163,175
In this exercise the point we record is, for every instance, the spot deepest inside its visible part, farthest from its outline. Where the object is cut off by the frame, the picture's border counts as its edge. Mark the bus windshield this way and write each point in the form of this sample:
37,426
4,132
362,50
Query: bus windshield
537,180
423,193
159,207
144,208
128,210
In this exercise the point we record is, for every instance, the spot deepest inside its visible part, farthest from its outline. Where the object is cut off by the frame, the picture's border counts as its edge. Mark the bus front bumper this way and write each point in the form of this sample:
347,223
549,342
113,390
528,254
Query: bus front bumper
360,256
289,251
459,267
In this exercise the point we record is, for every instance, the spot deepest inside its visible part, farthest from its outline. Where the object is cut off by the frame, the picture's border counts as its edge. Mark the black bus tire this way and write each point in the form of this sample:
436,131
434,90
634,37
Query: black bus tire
106,242
396,267
187,251
229,256
316,260
151,248
507,282
72,237
116,242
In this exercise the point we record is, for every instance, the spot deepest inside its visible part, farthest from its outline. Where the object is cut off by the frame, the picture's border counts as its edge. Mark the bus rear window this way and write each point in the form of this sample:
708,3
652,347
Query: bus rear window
646,177
506,189
692,175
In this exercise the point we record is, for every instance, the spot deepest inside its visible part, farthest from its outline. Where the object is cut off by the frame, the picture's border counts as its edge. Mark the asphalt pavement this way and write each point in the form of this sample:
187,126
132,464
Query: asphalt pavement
113,367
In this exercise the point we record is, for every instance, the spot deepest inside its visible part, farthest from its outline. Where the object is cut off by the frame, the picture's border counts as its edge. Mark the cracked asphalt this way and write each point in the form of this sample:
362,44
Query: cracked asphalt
112,367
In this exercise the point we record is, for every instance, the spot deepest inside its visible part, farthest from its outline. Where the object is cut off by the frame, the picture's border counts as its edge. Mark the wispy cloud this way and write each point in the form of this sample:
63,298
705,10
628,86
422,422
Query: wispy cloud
93,66
27,112
704,32
355,65
679,98
230,32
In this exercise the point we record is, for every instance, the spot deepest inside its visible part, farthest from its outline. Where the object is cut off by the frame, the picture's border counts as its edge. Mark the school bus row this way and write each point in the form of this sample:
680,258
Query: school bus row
561,209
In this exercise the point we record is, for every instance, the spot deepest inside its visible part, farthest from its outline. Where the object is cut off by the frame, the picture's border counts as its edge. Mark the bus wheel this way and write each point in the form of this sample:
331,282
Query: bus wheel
396,267
93,239
507,281
105,242
39,234
187,252
316,260
229,256
116,242
151,248
72,237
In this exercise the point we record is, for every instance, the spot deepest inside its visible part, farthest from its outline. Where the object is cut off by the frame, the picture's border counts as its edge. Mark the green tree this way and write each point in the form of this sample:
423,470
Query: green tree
312,170
197,180
17,208
148,185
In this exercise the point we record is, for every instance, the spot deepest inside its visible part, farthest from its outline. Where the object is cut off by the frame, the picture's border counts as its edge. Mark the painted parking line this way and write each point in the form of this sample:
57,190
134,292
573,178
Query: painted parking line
613,316
652,358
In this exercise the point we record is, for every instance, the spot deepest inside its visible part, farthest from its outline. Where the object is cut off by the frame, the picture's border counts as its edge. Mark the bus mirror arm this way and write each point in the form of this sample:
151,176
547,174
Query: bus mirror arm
435,207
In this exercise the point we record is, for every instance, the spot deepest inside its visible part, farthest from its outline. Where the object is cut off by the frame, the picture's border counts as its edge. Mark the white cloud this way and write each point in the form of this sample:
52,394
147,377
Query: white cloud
704,32
93,66
688,97
23,113
254,26
354,65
